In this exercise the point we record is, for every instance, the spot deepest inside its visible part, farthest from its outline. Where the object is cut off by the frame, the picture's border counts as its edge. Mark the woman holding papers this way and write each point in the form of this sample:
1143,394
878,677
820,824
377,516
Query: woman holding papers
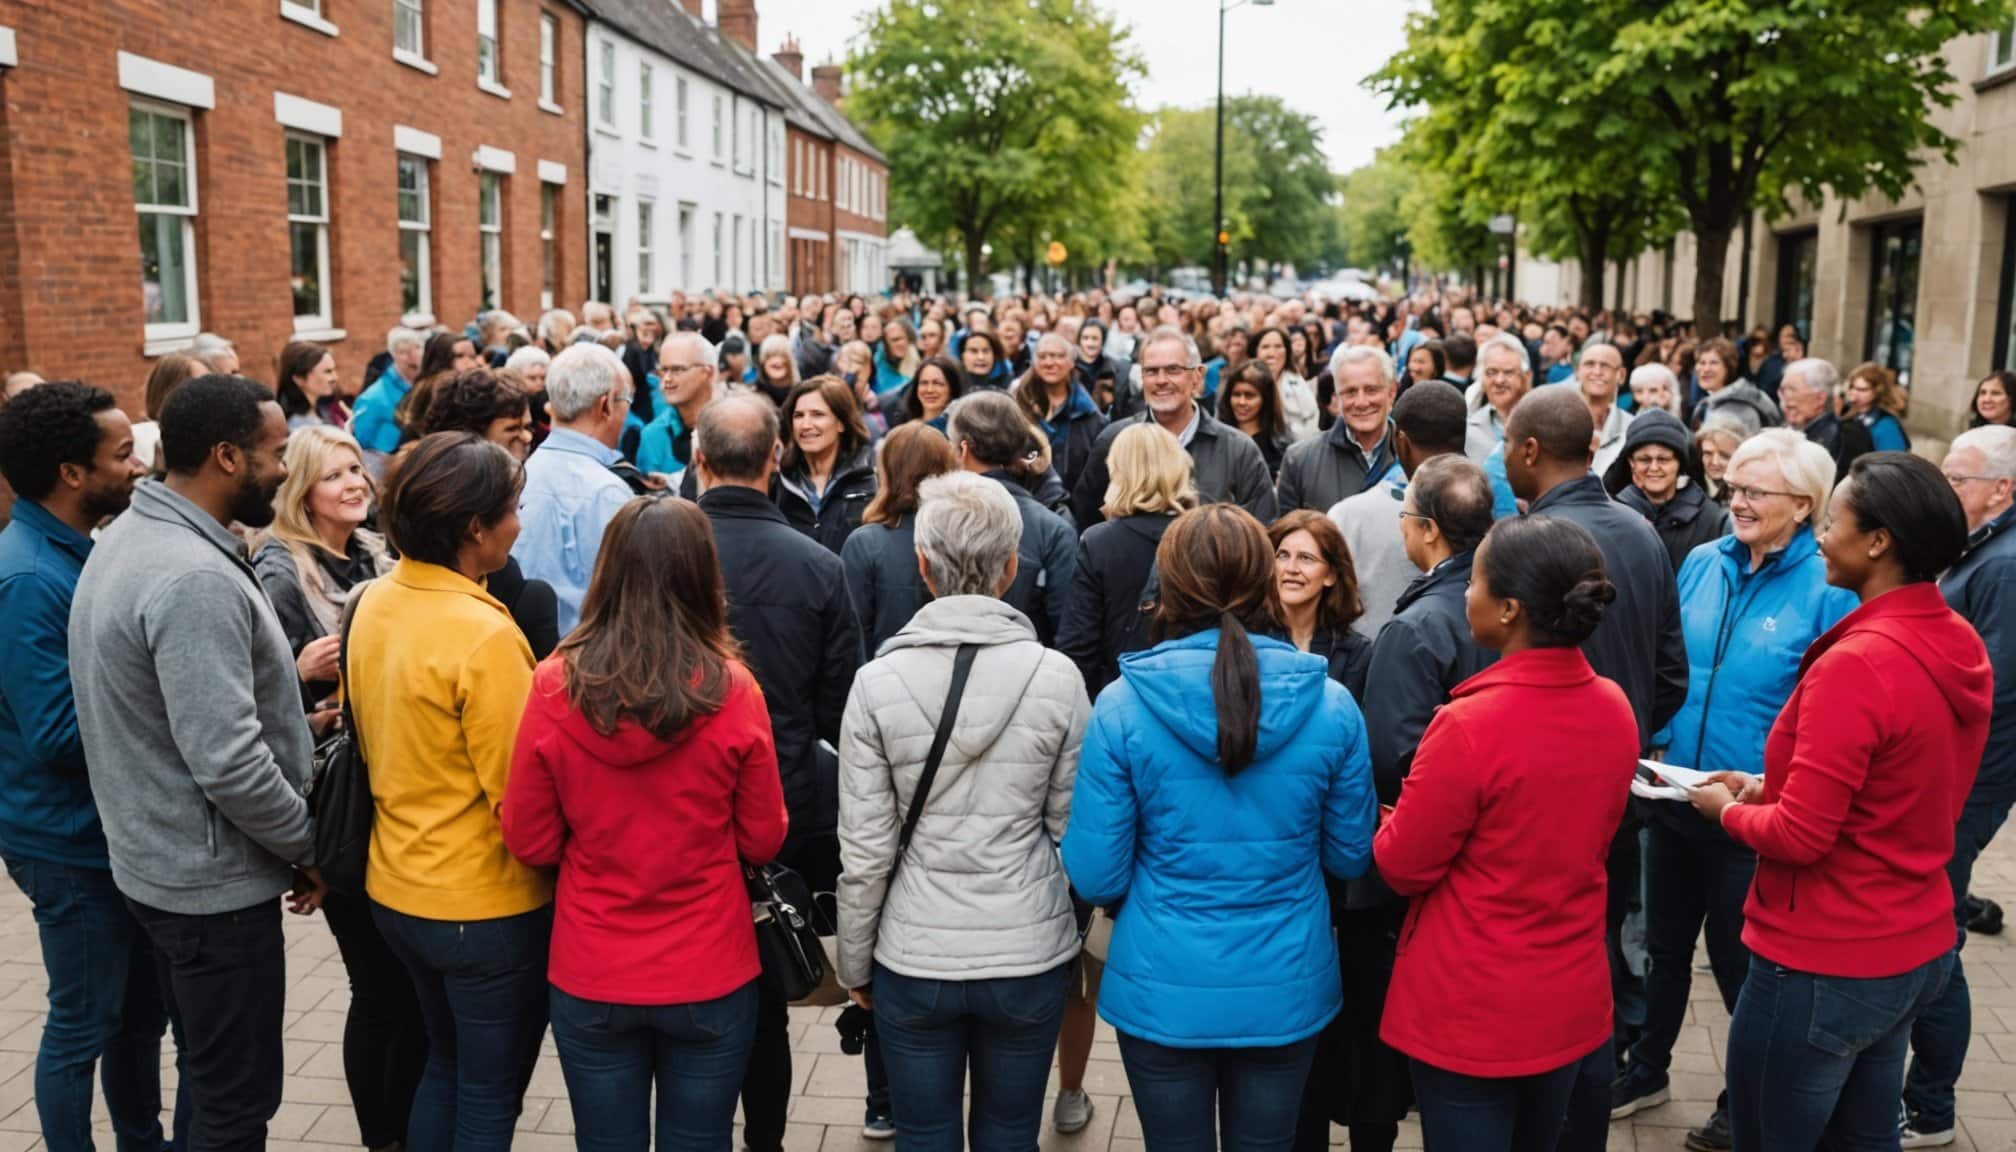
1501,988
1866,769
1750,603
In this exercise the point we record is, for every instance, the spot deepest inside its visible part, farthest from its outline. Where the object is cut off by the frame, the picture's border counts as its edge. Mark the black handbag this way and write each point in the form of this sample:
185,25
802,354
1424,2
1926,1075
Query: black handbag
787,943
339,788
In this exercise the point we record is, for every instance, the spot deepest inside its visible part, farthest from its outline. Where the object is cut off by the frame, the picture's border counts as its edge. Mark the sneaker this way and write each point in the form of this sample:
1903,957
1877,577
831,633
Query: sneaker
1984,916
1630,1095
1712,1136
1073,1112
878,1128
1911,1133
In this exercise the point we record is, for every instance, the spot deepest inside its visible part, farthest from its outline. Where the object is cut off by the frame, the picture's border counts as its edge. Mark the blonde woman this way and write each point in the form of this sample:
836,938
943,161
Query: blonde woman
314,555
1873,397
776,368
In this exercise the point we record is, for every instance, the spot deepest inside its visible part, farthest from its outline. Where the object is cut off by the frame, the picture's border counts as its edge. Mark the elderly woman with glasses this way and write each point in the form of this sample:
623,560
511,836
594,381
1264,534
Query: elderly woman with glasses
1658,476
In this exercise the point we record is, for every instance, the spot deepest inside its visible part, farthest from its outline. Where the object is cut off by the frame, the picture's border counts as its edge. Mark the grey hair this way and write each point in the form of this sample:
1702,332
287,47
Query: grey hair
967,531
692,339
1058,339
1815,374
1507,340
737,448
578,377
1807,467
1170,334
1997,445
1362,354
402,338
495,318
992,425
594,308
1662,373
526,357
208,344
555,324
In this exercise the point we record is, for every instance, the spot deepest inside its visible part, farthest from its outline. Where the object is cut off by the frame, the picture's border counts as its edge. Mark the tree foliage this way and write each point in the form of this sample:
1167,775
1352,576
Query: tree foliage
998,115
1279,193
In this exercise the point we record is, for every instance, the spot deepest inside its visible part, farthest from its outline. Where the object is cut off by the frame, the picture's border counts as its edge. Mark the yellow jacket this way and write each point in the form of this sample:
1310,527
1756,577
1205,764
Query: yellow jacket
439,675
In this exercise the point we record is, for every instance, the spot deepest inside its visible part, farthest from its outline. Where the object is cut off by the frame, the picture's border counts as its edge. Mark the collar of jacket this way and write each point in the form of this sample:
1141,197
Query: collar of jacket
1340,436
1585,489
33,517
738,502
154,500
1077,405
1976,540
1801,546
425,577
956,620
1207,425
1687,502
1455,570
1825,430
1535,667
861,463
1917,601
570,441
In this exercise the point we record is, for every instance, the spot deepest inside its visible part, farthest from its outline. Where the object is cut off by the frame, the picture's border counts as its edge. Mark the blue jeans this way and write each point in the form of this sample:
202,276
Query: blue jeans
1462,1113
934,1031
105,1008
1689,881
1821,1057
483,992
1255,1093
695,1055
1939,1037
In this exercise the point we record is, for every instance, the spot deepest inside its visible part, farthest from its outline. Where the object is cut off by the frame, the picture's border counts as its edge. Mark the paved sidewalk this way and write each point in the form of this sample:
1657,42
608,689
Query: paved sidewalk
826,1107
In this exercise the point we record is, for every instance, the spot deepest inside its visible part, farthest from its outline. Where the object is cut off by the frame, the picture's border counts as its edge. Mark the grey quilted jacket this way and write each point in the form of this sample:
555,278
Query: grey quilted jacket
982,893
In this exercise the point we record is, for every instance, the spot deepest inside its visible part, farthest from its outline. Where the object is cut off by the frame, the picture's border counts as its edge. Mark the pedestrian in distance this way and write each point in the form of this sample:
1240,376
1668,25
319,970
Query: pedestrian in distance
645,772
1479,827
1866,772
570,493
826,472
881,556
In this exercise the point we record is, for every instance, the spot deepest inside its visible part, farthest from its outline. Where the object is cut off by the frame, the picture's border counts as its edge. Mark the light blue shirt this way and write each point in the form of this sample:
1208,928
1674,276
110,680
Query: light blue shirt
569,498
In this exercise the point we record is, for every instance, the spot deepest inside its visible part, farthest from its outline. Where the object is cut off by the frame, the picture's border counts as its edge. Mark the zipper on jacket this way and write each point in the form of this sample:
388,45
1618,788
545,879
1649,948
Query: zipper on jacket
1729,621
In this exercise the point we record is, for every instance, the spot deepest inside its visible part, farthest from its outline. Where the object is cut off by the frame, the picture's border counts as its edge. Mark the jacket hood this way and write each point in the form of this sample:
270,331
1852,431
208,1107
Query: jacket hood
1918,621
946,624
1749,395
1173,680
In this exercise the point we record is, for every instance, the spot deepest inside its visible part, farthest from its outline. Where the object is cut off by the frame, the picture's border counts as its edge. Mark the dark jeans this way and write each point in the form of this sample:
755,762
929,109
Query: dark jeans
766,1090
225,976
934,1031
1820,1057
384,1035
1490,1114
482,991
1939,1037
878,1074
1625,895
1689,880
1355,1079
1255,1094
614,1054
105,1009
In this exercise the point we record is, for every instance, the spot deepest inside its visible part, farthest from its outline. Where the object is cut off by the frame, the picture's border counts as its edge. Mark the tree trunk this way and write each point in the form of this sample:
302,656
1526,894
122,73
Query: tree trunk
976,264
1711,259
1595,259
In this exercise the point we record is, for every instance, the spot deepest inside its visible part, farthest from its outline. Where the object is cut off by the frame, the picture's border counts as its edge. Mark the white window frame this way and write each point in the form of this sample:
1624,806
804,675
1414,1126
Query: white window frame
646,130
308,14
605,85
647,223
2002,49
735,137
318,321
773,156
776,250
423,227
720,130
687,213
720,223
490,78
415,55
490,238
182,330
735,254
549,62
682,100
819,169
797,165
549,271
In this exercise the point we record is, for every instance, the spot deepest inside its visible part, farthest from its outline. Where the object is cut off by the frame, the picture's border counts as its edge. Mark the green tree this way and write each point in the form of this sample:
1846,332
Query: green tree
996,113
1287,179
1373,213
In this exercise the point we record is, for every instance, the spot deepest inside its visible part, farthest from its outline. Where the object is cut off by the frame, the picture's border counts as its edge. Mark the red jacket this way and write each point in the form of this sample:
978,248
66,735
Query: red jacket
650,907
1500,835
1865,774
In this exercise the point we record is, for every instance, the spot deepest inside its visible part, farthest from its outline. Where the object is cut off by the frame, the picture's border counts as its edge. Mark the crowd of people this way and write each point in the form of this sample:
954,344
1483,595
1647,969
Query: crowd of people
1303,688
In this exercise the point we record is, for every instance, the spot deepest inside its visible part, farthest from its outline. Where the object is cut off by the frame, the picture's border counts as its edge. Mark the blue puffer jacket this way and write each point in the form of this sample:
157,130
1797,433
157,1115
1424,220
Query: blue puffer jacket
1224,937
1746,634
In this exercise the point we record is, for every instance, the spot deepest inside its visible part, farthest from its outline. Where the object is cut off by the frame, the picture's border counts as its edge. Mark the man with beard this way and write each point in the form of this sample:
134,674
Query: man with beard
67,451
196,745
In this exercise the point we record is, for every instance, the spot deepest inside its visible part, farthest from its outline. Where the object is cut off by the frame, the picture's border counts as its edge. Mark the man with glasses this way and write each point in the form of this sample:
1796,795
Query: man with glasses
570,492
1806,396
1226,465
686,382
1357,453
1658,480
1981,466
1600,373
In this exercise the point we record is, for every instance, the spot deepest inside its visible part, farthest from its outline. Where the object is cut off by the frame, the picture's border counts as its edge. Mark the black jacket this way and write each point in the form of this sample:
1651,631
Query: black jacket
788,607
1978,588
1843,439
1321,470
882,579
847,497
1048,556
643,364
1104,610
1687,520
1349,656
533,605
1422,653
1638,644
1225,465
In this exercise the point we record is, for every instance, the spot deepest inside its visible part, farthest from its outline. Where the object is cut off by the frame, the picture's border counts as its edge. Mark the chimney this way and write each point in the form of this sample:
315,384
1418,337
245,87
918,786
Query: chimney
792,60
693,8
826,82
737,21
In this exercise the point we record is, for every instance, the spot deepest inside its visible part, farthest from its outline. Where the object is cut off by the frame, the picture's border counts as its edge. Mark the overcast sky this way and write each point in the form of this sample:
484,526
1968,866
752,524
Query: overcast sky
1310,53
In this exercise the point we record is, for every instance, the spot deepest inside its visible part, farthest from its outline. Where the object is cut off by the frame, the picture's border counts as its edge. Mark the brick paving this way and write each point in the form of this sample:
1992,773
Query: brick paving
315,1115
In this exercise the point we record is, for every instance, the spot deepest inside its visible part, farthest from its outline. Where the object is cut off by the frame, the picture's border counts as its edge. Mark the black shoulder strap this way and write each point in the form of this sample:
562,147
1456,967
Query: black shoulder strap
962,666
343,665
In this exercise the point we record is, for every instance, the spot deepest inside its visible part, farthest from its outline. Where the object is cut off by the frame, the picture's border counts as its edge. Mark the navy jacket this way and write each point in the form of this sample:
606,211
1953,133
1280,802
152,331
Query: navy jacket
1639,644
881,563
1423,651
1104,612
46,810
1982,589
1048,557
1225,465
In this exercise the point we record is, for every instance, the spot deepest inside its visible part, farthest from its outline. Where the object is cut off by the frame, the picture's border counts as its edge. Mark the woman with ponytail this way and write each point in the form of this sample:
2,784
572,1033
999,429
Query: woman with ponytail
1501,990
1222,773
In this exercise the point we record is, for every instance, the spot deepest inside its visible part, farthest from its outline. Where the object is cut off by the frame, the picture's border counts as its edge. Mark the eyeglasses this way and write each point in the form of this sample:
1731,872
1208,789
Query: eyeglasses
1405,515
1751,495
1654,461
668,369
1170,372
1957,479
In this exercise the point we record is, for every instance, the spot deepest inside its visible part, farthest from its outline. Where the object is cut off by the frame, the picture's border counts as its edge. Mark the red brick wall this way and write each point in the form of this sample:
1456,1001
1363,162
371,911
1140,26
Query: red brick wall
811,263
70,300
849,221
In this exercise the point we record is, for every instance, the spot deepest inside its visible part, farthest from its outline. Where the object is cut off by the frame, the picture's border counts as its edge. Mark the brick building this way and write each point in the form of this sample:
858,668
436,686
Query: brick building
838,182
280,169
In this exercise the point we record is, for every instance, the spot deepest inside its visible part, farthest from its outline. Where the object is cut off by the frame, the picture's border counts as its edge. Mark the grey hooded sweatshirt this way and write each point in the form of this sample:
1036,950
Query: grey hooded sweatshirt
982,893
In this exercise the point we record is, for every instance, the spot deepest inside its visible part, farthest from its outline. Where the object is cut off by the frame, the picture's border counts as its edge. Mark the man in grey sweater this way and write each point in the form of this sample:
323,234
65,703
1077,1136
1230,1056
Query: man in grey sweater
1430,420
190,710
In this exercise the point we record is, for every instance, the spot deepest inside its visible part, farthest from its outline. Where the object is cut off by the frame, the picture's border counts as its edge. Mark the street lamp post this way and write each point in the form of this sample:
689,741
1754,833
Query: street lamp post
1218,253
